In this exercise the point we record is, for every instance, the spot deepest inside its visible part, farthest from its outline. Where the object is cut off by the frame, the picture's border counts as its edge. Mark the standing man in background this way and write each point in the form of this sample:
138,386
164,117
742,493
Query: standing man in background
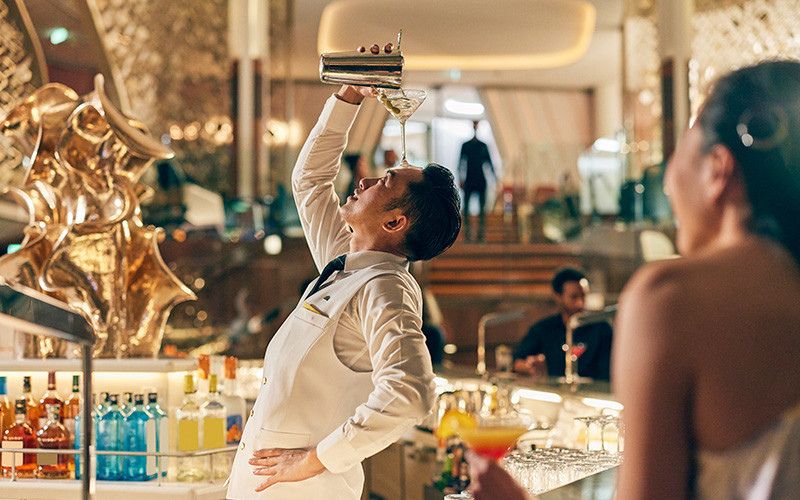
474,155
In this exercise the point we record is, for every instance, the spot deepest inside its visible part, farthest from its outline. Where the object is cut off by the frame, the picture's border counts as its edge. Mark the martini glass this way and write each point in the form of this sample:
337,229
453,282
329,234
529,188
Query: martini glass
402,104
494,436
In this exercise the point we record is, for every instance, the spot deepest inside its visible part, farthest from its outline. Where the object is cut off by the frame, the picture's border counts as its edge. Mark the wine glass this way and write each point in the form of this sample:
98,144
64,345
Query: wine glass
402,104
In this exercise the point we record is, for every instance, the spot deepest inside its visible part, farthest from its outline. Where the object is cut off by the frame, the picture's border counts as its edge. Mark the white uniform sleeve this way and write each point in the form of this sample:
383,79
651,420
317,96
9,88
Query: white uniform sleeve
312,182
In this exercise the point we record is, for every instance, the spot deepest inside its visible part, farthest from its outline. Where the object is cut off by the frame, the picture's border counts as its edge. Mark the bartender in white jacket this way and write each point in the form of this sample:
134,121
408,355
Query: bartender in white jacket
348,373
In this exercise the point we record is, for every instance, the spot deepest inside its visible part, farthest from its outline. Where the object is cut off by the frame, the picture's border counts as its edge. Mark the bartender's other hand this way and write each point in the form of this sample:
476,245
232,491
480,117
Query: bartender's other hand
285,465
537,365
489,481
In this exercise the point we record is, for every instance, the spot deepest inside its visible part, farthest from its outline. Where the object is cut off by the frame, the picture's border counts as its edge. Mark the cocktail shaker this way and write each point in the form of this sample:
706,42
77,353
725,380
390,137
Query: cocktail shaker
363,68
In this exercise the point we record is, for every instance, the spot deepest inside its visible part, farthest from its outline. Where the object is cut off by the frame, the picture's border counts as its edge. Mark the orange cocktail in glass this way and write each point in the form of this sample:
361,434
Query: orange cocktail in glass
492,441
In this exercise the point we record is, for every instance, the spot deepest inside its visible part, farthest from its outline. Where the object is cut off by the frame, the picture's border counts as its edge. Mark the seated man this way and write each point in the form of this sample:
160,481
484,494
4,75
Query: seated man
542,347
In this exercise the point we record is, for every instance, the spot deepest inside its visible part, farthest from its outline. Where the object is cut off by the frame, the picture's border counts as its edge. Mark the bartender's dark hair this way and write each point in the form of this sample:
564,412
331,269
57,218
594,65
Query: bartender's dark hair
755,113
565,275
432,206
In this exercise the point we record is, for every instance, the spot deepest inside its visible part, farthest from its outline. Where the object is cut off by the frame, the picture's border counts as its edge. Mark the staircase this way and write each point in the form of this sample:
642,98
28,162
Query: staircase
498,270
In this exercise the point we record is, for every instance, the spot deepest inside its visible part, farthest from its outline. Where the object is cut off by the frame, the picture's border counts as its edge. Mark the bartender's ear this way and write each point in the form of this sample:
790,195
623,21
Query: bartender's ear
396,224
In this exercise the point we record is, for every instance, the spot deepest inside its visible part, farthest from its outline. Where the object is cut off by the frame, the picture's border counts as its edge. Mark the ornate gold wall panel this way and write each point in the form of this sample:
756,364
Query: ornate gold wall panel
738,33
172,58
22,70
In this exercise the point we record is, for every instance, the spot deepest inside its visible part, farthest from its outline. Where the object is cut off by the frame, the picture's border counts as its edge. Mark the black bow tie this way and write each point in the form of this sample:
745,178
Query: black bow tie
336,264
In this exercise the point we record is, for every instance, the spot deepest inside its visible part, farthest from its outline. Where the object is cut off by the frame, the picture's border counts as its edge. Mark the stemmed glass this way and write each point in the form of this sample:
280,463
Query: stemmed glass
402,104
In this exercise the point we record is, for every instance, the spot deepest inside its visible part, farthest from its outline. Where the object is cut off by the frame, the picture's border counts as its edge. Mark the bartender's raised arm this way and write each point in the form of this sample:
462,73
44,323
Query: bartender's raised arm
314,173
401,373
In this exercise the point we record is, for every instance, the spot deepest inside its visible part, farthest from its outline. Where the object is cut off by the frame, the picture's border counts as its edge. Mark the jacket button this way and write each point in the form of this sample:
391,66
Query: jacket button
252,412
241,446
264,381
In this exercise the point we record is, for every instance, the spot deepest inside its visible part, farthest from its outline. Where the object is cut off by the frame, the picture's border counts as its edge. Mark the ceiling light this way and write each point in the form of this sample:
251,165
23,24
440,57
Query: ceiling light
524,34
464,108
58,35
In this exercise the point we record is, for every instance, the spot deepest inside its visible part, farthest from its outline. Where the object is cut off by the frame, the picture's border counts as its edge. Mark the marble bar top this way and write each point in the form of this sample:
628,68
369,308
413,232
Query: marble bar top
600,486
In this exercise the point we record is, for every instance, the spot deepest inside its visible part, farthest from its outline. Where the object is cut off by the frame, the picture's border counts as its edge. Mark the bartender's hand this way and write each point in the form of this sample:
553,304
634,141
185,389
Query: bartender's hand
536,366
285,465
489,481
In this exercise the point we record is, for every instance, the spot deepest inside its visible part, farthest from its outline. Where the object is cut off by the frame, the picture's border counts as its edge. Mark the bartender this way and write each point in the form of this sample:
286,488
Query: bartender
542,349
348,373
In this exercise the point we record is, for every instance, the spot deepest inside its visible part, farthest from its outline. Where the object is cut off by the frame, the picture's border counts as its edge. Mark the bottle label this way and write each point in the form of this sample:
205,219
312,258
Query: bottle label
47,459
150,436
9,458
188,435
213,433
233,429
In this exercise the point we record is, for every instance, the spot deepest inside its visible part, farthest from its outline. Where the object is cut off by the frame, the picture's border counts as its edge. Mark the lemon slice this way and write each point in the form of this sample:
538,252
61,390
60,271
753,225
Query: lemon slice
452,421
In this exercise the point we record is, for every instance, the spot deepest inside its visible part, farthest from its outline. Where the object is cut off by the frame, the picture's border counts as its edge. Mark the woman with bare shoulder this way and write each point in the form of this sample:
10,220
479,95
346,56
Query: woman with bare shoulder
707,353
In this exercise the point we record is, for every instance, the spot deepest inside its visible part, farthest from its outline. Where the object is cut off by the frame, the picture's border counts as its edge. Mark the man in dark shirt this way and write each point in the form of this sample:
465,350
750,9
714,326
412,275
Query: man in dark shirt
542,347
474,155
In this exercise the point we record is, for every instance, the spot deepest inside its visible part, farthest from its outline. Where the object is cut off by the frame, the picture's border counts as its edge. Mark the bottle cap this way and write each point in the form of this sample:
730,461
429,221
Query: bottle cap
152,397
204,365
2,386
212,383
113,398
138,399
76,383
188,384
19,406
230,367
26,383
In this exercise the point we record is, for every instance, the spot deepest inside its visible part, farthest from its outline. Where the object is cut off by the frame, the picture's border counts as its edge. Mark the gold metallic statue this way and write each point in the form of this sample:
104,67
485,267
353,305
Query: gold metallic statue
85,243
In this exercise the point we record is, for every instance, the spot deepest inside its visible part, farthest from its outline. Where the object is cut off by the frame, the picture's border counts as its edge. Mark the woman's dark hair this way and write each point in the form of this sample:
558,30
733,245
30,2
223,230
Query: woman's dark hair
755,113
433,209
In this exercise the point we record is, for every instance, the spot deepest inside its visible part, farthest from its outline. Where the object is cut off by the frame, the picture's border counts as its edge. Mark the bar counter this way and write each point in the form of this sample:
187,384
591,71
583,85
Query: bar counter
550,399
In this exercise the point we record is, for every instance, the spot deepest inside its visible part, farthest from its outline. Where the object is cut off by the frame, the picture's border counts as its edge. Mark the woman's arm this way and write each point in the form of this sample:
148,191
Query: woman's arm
652,377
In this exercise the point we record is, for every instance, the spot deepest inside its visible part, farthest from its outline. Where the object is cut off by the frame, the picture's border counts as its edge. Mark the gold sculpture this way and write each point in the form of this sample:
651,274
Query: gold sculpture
85,243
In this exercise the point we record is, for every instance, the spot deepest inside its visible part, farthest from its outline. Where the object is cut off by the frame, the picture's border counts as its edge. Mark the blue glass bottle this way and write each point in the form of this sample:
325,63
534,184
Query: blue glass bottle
162,430
109,433
139,435
76,444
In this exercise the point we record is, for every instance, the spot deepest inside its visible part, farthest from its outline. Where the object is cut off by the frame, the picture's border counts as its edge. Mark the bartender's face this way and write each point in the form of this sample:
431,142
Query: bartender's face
365,209
572,298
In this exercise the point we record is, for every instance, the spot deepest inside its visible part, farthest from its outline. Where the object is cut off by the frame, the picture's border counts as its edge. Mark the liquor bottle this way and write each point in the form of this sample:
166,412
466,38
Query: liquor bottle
32,412
162,430
6,408
50,397
126,404
102,404
72,406
53,436
109,433
235,405
19,435
212,417
188,417
139,435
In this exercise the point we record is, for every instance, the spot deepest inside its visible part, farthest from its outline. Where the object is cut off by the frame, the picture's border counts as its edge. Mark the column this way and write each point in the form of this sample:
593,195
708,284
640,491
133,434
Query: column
675,48
248,37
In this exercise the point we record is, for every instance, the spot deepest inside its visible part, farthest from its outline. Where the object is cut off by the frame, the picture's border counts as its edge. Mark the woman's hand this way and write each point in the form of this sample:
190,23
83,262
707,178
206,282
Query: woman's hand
489,481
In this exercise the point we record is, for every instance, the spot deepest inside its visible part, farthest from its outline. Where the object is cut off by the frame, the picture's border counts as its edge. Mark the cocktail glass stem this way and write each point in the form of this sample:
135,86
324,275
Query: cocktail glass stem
403,139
